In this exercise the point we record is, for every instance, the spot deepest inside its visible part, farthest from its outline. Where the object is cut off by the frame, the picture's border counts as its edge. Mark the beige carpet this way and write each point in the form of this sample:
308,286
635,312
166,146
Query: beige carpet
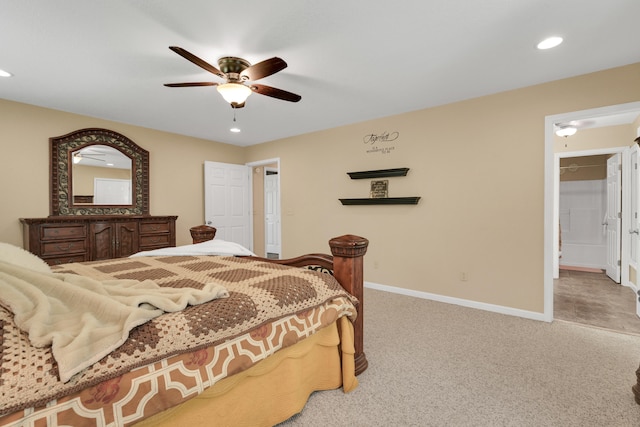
435,364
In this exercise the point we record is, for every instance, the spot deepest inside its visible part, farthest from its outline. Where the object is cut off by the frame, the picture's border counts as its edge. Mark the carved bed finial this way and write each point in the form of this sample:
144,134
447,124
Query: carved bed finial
348,246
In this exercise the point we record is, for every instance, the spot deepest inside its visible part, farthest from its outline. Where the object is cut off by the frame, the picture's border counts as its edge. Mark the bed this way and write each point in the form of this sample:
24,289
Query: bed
251,357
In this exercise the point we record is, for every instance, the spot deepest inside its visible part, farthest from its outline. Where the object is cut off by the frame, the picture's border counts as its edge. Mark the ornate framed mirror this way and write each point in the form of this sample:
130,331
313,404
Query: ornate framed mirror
98,172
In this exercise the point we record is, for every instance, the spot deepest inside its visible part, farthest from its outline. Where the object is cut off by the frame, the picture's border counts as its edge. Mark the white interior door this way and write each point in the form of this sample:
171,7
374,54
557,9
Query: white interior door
226,204
612,218
109,191
272,211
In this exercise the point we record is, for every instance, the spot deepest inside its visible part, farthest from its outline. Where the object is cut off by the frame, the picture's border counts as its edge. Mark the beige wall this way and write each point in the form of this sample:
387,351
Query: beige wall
176,166
478,166
584,168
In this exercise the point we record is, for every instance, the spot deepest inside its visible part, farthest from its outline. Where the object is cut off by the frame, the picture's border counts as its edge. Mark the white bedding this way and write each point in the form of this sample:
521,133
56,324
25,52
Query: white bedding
210,247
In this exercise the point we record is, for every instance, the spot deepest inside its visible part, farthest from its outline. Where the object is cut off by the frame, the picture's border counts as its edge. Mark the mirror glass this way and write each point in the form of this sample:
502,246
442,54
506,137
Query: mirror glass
101,175
83,182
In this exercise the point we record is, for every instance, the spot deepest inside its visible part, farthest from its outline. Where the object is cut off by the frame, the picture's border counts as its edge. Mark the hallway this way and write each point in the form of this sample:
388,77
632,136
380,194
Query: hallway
594,299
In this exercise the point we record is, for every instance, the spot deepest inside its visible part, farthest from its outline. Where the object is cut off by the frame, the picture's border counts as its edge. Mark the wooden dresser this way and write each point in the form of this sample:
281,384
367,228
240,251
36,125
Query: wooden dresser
64,239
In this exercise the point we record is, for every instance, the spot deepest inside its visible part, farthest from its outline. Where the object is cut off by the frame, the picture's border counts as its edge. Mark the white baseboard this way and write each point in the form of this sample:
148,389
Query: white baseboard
458,301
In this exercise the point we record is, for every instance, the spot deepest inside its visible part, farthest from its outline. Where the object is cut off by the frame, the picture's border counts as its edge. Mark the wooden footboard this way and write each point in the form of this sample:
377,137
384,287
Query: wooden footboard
346,263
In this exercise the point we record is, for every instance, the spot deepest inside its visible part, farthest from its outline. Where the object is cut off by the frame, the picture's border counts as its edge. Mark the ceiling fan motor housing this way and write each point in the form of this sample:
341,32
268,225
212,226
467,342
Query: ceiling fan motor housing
232,67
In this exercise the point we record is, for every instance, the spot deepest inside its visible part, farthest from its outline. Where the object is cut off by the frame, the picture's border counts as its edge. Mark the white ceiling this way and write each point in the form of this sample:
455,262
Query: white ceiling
350,61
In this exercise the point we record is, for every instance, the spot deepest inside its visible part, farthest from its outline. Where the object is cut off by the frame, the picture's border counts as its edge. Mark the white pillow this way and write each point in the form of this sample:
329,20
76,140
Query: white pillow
25,259
222,247
210,247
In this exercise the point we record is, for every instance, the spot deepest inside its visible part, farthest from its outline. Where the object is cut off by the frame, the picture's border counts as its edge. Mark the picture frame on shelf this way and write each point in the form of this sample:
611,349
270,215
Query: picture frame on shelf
379,189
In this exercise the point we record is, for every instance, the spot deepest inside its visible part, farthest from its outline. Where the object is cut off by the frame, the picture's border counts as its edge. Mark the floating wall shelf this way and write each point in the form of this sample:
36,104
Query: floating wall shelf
382,201
381,173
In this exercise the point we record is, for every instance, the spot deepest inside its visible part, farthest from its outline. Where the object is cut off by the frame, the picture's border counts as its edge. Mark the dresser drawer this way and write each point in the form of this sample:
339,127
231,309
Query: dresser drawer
63,247
154,241
58,232
155,227
66,259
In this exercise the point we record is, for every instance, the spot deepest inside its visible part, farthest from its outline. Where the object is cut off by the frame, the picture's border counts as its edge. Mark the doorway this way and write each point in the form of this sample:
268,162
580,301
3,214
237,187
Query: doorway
552,214
273,246
590,212
265,200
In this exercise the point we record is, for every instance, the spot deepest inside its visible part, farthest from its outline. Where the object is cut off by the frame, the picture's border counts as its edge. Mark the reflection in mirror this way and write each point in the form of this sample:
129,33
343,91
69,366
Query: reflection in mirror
101,176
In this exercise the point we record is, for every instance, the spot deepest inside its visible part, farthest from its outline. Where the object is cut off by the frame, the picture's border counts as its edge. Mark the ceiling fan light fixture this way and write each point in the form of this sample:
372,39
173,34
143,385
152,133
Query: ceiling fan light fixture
566,131
234,93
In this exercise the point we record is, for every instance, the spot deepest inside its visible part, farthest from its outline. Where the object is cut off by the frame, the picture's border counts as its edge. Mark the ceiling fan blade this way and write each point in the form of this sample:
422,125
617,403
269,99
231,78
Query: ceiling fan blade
190,84
93,158
199,62
275,93
263,69
90,156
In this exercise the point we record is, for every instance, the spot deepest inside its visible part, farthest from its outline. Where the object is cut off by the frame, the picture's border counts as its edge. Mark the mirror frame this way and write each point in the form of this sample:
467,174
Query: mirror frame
61,149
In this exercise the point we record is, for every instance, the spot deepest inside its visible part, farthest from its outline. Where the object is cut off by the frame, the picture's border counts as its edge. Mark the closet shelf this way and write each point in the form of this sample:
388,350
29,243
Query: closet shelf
381,173
382,201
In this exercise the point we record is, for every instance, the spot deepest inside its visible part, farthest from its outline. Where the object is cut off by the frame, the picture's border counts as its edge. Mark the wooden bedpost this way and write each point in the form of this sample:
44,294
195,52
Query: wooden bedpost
348,252
636,386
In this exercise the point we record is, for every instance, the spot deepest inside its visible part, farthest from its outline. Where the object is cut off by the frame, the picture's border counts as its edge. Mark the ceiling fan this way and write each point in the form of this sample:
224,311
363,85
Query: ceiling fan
79,156
236,72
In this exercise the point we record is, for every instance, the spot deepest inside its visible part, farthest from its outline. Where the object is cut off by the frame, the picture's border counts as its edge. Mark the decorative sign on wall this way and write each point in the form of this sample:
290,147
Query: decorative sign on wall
380,143
379,189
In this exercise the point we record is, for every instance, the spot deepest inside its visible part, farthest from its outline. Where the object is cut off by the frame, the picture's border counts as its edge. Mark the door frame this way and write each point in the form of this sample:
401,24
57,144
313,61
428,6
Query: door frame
551,196
265,162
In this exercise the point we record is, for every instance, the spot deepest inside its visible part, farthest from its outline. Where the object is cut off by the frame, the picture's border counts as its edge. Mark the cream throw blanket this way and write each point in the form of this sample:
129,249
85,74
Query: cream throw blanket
84,319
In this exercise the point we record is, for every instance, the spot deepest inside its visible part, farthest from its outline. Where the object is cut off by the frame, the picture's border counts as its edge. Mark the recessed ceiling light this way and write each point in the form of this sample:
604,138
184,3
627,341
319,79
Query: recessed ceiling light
235,130
4,73
549,42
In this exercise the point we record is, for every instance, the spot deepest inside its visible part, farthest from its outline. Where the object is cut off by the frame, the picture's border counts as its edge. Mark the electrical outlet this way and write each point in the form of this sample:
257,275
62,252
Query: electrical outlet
464,276
376,264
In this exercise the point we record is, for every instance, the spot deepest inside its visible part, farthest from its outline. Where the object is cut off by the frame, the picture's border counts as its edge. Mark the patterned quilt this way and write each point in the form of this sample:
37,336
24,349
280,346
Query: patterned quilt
261,293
